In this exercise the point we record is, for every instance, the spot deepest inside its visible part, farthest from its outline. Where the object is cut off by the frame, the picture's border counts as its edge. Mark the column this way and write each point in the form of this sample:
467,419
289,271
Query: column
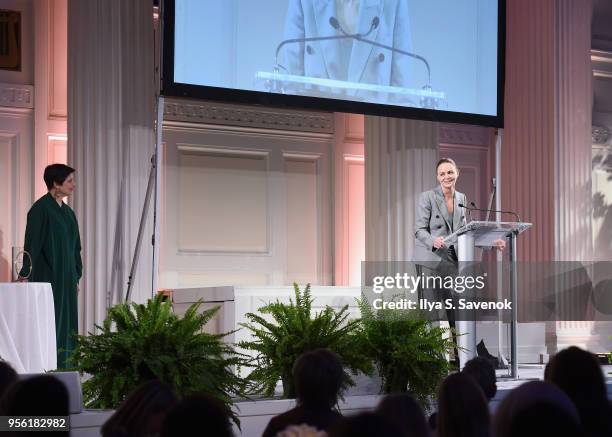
400,159
546,156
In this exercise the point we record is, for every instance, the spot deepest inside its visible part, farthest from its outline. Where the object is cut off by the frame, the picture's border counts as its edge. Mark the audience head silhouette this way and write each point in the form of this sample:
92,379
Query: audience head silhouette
318,378
525,403
43,395
142,413
8,377
462,408
542,419
483,372
197,415
406,412
579,374
366,425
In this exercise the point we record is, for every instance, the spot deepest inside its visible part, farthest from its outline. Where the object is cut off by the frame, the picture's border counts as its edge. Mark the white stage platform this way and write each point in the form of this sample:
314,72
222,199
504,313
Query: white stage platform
255,415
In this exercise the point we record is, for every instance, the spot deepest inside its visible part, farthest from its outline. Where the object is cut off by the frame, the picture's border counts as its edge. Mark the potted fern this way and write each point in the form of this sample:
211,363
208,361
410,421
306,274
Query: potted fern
409,353
139,342
293,330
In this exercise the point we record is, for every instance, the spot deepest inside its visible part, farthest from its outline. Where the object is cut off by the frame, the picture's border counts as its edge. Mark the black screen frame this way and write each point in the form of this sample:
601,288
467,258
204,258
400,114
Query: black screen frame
171,88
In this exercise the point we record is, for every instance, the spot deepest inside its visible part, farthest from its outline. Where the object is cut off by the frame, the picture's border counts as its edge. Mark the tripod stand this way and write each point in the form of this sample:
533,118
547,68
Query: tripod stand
152,187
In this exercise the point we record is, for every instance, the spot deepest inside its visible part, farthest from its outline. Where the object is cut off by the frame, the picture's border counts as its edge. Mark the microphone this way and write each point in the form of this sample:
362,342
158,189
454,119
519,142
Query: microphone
333,21
361,37
474,208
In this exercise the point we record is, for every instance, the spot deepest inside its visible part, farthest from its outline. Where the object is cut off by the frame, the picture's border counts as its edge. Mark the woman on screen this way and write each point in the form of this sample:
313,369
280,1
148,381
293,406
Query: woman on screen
52,239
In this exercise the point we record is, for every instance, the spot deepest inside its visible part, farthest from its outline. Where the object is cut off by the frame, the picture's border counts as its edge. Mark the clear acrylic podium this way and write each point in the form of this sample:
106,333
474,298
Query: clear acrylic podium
482,234
285,83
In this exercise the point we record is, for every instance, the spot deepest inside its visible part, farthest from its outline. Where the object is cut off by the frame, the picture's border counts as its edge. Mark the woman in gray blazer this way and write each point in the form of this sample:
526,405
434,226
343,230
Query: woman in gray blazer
438,215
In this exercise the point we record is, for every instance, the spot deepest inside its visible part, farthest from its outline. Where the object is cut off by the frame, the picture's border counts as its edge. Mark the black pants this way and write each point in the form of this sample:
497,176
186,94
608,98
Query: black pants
444,268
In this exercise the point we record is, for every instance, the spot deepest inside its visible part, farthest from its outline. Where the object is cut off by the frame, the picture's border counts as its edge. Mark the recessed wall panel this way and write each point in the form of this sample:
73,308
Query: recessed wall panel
223,201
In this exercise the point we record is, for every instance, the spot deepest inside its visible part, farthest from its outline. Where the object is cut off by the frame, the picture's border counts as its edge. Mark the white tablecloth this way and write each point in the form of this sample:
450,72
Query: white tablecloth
27,326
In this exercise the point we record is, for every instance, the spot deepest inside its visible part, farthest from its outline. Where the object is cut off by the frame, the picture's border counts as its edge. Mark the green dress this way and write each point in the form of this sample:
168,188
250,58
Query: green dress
52,239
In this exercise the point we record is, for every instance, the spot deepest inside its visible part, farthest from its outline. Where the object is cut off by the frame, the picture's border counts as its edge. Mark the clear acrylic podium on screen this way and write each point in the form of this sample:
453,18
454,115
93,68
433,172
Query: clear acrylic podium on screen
284,83
482,234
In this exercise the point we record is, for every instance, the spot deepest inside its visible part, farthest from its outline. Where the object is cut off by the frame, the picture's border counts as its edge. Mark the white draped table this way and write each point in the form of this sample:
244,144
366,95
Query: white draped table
27,326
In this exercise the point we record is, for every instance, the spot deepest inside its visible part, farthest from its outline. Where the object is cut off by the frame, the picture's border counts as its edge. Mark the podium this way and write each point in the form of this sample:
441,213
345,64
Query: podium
482,234
285,83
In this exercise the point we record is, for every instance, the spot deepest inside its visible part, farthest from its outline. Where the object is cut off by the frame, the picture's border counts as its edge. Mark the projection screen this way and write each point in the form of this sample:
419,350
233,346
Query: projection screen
427,59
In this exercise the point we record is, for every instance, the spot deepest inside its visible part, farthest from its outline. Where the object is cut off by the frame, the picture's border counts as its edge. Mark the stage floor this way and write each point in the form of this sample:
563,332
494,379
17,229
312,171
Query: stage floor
527,372
532,372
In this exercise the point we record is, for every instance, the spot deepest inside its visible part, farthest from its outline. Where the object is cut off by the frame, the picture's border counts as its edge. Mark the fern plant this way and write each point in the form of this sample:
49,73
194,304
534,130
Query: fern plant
409,353
139,342
292,331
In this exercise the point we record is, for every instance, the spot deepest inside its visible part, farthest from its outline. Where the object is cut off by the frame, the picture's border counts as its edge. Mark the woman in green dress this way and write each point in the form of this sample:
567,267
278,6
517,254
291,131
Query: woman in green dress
53,242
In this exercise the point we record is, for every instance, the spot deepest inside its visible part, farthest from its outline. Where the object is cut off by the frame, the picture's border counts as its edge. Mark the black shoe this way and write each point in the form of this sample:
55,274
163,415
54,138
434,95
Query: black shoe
483,352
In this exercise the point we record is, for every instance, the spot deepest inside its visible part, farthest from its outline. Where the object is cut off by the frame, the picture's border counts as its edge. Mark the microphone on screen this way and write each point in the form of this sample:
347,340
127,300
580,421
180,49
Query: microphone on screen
333,21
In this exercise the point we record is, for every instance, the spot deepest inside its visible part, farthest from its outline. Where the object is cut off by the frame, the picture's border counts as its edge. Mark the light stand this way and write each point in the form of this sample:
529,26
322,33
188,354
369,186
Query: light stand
152,187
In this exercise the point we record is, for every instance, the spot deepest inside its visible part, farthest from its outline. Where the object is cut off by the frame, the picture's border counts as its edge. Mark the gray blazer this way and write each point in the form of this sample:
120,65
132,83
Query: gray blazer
432,221
366,63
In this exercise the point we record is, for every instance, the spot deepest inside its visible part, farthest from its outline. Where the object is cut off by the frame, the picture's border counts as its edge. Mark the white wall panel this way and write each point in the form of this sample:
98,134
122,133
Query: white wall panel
244,205
215,191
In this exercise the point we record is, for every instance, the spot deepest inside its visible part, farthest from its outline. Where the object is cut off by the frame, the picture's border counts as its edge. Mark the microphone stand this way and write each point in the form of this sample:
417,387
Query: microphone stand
357,37
493,193
333,22
360,37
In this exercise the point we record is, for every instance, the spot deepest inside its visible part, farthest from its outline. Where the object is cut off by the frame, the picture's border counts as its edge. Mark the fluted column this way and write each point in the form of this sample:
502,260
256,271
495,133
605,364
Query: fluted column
546,156
573,113
400,159
111,97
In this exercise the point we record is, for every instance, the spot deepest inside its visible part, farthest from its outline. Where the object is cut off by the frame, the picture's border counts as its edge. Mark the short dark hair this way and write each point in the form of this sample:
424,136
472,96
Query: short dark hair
8,376
42,395
483,373
366,424
134,414
56,173
406,412
318,377
195,411
445,160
